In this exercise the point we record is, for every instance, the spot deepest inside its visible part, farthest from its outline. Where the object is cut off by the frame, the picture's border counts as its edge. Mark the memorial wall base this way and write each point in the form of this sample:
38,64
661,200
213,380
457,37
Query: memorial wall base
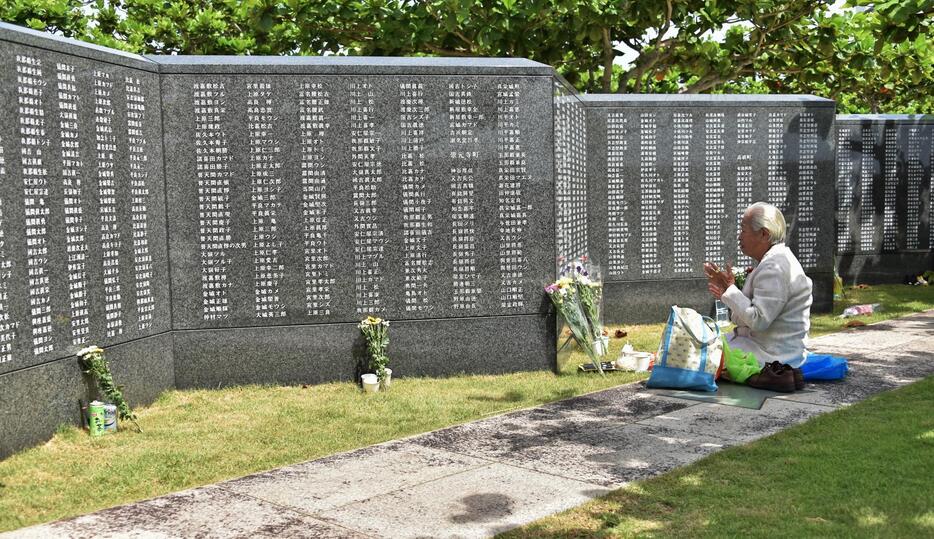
311,354
35,401
883,268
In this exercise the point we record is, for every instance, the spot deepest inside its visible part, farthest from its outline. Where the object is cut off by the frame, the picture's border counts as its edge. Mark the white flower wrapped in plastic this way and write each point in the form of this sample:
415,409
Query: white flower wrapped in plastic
564,295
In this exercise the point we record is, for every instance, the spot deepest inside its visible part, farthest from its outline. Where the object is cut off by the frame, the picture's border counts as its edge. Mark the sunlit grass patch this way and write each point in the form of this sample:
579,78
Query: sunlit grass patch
861,471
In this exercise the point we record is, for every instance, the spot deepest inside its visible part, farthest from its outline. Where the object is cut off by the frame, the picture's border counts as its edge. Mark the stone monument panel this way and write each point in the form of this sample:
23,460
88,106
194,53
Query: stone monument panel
82,213
848,170
884,196
409,196
677,172
571,184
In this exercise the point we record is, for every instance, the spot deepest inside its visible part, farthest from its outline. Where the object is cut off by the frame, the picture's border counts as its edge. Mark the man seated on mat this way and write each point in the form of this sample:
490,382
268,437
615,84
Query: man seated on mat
772,311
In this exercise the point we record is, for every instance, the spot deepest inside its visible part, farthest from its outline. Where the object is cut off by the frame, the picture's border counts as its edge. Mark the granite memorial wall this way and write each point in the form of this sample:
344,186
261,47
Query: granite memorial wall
83,251
307,193
669,179
885,185
217,220
571,184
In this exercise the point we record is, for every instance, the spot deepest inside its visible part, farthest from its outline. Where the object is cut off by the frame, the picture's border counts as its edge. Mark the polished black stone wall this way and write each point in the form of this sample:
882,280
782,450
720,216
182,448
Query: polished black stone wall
669,179
83,249
884,197
221,220
327,190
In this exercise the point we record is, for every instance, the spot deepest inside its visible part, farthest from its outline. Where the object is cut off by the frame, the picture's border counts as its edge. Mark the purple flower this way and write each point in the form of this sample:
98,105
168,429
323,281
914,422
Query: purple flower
551,289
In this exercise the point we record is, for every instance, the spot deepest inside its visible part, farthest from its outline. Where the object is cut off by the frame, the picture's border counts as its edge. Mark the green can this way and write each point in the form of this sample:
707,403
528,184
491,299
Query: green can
96,419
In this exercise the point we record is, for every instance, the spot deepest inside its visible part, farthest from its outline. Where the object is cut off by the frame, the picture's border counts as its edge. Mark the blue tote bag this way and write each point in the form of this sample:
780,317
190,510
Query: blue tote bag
690,352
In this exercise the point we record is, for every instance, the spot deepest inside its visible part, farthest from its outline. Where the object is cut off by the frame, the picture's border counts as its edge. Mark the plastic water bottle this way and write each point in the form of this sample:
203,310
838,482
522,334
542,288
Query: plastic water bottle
723,314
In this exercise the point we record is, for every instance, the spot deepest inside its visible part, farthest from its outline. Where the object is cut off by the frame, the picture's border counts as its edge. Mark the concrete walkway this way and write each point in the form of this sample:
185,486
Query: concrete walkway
488,476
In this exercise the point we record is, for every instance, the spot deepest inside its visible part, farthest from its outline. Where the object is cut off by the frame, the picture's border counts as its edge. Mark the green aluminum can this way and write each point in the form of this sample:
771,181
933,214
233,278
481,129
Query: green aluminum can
96,418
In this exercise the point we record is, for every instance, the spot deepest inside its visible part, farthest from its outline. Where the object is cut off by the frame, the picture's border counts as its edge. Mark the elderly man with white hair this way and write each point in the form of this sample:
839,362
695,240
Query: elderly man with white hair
772,311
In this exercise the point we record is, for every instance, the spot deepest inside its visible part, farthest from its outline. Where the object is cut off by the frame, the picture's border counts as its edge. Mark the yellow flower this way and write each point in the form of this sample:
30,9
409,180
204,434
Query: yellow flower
372,320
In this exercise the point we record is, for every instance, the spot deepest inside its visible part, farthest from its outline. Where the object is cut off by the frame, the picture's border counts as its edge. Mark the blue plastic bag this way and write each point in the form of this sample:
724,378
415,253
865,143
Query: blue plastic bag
824,367
690,353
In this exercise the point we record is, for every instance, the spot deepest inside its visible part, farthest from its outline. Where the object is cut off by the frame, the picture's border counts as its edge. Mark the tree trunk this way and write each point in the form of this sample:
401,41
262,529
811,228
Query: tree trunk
623,83
608,57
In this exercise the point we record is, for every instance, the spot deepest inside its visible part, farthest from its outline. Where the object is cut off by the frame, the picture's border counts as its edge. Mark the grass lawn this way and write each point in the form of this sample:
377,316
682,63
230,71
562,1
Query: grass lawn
897,300
862,471
193,438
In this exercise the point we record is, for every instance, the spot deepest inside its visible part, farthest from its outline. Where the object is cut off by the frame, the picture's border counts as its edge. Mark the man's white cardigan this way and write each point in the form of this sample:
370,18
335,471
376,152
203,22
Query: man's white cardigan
772,312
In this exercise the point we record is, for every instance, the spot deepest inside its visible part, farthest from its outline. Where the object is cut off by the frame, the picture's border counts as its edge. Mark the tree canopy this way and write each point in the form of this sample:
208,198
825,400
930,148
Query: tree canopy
869,56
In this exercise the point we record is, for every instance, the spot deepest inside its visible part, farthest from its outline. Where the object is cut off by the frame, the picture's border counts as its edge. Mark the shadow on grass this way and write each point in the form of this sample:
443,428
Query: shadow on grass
510,396
621,513
561,394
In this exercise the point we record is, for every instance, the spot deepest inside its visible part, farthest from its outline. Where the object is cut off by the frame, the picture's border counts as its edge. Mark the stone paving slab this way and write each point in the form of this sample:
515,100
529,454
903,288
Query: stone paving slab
586,412
878,336
870,374
491,475
918,349
611,456
355,476
822,397
481,503
527,431
629,404
916,324
864,380
738,424
208,512
869,340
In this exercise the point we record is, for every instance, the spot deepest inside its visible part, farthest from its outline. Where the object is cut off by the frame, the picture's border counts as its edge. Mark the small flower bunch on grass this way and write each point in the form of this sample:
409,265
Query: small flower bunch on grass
376,332
564,294
94,364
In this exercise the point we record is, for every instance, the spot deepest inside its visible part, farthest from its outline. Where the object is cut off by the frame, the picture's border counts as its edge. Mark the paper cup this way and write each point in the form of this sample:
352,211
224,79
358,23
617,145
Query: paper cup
643,359
370,383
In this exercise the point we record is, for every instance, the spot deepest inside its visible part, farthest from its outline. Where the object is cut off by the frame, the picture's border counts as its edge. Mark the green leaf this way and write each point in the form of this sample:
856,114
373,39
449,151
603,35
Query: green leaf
35,24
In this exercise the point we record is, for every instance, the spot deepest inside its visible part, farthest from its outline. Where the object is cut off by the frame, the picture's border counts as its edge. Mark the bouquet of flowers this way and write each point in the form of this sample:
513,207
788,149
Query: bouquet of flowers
578,297
591,295
586,278
376,332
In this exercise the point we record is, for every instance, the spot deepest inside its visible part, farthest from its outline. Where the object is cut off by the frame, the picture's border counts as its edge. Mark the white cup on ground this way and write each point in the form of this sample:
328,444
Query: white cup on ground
370,383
